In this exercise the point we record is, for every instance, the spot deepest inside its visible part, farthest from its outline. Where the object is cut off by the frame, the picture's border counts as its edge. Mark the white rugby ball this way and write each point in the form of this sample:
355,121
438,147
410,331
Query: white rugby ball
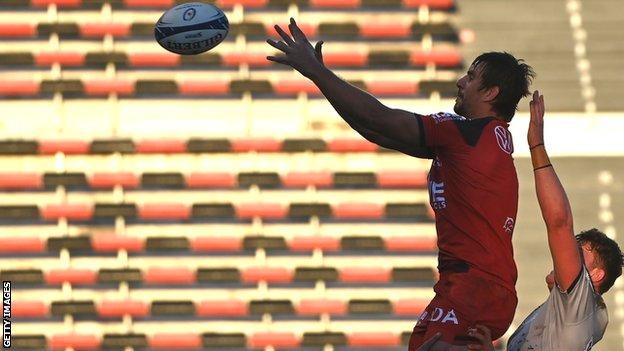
191,28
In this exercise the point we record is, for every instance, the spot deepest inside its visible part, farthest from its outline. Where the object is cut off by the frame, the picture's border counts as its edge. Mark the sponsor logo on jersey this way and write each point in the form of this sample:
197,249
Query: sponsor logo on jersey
445,116
509,225
503,138
436,195
439,315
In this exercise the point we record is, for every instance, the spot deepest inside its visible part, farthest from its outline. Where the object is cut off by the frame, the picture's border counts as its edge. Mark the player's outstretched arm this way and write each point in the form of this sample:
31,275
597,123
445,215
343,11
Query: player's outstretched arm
363,112
553,202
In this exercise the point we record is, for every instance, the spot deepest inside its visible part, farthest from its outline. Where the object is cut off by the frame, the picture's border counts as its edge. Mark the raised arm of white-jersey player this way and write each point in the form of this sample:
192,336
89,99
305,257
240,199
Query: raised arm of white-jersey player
352,104
553,202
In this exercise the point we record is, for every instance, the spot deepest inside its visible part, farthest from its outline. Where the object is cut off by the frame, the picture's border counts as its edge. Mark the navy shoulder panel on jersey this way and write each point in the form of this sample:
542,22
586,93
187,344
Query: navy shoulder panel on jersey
471,129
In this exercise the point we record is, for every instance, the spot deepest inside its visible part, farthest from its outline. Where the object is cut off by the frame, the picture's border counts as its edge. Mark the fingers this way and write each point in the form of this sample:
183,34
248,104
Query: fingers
296,32
477,335
485,330
287,39
432,340
318,50
279,59
279,45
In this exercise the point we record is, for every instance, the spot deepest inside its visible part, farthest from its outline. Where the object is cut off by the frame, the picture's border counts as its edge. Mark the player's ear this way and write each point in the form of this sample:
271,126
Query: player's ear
597,274
491,93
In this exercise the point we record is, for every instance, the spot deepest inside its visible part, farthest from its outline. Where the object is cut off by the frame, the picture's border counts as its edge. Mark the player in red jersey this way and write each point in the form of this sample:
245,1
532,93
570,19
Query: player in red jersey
473,185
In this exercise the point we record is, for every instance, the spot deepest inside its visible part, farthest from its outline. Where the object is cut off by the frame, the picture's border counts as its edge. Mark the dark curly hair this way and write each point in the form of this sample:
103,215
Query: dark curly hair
608,253
512,77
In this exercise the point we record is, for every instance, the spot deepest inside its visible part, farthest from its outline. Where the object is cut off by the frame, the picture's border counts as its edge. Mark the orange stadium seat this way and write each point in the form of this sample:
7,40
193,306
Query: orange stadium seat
373,339
170,341
69,211
246,3
409,243
248,58
275,340
266,274
154,59
105,180
209,244
14,181
392,88
161,146
67,147
358,210
58,3
321,306
211,180
222,308
210,87
261,210
72,276
62,58
28,309
114,243
171,275
74,341
412,307
295,86
18,30
99,30
351,59
164,211
351,145
310,243
256,144
120,308
436,4
304,179
374,29
22,245
149,3
365,275
19,88
351,4
108,86
440,57
402,179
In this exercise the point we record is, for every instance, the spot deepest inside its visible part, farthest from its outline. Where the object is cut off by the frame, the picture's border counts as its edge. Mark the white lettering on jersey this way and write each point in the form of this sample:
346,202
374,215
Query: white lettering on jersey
503,138
439,315
450,316
436,195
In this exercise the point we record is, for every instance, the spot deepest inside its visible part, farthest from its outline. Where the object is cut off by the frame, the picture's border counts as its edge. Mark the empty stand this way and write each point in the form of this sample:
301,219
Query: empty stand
156,201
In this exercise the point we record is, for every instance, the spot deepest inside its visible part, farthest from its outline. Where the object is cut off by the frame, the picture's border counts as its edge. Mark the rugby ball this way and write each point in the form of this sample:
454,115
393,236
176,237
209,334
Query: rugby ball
191,28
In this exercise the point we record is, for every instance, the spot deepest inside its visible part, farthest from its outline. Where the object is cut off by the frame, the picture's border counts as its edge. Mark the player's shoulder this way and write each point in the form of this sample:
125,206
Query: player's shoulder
446,116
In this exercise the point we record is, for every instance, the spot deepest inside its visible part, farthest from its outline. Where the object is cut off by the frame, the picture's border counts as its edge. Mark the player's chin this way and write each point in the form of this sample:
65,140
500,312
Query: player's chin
458,108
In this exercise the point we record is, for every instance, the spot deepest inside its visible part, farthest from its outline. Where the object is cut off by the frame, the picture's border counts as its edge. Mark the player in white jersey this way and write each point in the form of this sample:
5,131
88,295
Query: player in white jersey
574,317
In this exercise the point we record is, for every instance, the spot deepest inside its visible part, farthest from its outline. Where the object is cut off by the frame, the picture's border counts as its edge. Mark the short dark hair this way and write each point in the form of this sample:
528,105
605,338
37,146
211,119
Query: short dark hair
512,77
609,255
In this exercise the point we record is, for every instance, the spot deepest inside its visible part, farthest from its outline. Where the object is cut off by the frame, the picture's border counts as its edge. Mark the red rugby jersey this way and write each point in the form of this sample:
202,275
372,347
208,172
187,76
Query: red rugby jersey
473,189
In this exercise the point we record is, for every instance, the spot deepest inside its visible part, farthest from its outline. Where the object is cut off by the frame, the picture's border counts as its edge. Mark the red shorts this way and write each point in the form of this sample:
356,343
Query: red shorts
463,300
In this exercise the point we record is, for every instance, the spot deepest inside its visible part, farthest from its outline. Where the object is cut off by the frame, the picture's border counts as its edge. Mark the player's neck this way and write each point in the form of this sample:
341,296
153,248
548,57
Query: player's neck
485,112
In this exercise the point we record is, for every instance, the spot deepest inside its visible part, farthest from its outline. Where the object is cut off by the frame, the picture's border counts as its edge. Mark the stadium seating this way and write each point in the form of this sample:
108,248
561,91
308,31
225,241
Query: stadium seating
155,201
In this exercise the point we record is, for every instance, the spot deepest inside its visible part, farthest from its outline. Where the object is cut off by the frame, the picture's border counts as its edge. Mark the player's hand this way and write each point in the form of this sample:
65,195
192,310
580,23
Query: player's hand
483,334
297,51
429,343
535,135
